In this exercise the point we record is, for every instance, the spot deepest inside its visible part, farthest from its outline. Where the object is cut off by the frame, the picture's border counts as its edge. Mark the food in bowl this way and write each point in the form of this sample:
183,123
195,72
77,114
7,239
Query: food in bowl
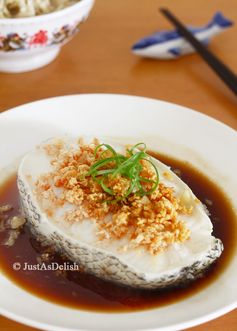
29,8
82,202
28,43
122,215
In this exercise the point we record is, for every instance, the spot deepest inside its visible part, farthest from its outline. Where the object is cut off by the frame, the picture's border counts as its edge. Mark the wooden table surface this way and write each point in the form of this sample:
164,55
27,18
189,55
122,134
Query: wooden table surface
98,59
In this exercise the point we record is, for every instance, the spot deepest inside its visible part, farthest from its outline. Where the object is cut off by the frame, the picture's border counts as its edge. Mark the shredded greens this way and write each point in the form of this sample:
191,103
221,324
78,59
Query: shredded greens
129,166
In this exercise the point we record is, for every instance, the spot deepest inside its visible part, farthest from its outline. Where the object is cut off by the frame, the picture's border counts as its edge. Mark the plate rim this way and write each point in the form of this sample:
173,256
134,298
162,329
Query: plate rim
76,95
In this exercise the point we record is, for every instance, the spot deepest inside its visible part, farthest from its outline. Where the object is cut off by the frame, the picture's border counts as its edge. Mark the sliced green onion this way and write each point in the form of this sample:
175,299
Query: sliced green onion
129,167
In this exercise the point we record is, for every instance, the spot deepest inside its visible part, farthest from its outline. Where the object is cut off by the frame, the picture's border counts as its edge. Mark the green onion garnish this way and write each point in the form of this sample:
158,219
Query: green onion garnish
129,166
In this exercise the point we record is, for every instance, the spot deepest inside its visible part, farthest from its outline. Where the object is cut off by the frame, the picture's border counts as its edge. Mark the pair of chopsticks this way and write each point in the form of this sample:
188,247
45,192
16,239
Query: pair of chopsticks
228,77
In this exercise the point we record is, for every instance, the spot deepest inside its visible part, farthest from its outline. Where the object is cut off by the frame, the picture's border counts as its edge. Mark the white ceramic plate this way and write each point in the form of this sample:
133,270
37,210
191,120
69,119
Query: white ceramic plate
166,127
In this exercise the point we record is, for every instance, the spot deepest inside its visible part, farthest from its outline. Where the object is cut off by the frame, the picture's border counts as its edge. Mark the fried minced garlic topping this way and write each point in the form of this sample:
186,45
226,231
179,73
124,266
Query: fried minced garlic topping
147,221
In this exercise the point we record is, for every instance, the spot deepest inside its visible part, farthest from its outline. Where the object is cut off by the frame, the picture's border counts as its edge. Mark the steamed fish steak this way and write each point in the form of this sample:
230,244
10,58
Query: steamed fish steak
119,213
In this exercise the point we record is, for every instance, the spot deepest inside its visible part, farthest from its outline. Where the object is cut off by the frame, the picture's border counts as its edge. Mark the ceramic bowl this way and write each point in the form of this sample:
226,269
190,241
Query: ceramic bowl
33,42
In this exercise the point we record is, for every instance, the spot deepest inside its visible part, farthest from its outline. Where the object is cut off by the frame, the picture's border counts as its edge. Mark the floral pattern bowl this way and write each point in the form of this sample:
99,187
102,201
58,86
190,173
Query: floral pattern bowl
33,42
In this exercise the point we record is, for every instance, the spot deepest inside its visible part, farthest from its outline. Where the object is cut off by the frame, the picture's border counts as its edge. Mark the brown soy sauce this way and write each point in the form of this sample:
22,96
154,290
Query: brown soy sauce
83,291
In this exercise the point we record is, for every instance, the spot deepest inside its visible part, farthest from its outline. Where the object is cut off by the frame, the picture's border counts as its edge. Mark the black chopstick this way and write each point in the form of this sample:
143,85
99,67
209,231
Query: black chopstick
219,67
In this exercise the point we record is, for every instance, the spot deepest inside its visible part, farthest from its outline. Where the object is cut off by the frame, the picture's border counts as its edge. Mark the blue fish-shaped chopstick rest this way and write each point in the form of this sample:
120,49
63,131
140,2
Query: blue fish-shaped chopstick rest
167,45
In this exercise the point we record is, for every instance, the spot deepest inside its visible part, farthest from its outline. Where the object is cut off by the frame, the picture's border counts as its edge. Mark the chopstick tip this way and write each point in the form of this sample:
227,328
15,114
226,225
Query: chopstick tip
163,10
